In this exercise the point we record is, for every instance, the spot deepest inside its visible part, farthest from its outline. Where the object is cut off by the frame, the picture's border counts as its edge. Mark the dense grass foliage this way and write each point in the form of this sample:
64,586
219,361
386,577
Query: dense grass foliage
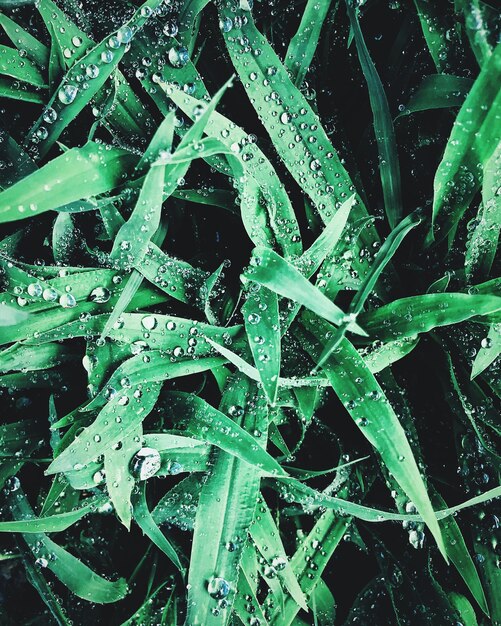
250,312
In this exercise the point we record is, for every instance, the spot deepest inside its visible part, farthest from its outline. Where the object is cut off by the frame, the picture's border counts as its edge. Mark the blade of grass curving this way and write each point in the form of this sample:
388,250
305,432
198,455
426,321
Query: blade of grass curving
69,100
477,27
384,256
79,578
17,67
206,423
303,45
272,271
266,535
36,579
475,135
119,480
91,170
489,351
23,40
262,325
483,243
366,403
442,41
414,315
146,522
438,91
317,547
228,499
106,430
53,523
460,557
280,212
389,167
314,165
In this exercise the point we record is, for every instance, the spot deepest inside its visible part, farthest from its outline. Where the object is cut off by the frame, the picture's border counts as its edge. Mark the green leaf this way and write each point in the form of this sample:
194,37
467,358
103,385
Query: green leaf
272,271
79,578
389,167
438,91
72,176
411,316
228,499
303,45
206,423
145,521
262,325
366,403
474,137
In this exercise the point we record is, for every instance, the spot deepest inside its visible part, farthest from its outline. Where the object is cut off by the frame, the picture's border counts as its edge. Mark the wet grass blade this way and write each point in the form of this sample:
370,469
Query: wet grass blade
78,173
272,271
483,243
213,573
369,408
303,45
79,578
145,521
389,167
438,91
411,316
474,137
262,325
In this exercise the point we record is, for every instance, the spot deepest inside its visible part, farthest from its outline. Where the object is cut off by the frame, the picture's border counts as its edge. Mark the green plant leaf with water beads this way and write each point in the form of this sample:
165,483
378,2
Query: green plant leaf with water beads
25,42
411,316
145,521
91,170
262,325
389,167
474,137
217,546
368,406
99,63
79,578
272,271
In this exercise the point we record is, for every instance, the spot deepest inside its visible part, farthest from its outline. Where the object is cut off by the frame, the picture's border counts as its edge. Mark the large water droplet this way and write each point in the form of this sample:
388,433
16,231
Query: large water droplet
145,463
218,588
100,295
67,301
178,56
67,93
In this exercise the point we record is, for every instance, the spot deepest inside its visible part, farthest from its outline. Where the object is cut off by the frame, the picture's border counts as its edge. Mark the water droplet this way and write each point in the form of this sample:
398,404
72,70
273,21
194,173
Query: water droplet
226,24
285,118
114,42
253,318
315,165
49,116
76,41
170,29
35,290
178,56
67,93
67,301
145,463
236,410
49,294
125,34
218,588
485,343
107,56
171,325
92,71
149,322
100,295
279,563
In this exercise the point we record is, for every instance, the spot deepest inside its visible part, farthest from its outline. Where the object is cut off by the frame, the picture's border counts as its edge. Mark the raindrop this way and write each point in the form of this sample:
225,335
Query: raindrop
67,301
67,93
100,295
218,588
35,290
145,463
49,116
178,56
149,322
92,71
